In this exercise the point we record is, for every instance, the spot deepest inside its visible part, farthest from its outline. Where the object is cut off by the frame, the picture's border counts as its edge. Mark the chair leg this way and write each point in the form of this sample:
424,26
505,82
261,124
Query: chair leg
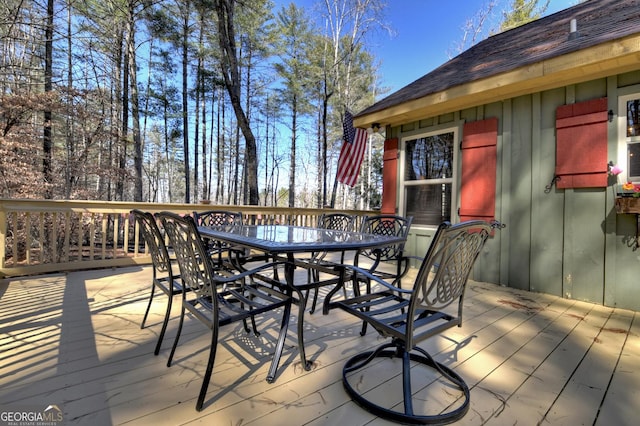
175,342
255,326
153,291
314,301
284,326
165,322
207,374
364,323
315,276
407,395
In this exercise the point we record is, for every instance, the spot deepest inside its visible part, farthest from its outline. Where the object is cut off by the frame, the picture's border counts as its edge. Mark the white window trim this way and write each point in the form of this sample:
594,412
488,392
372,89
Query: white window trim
456,129
624,95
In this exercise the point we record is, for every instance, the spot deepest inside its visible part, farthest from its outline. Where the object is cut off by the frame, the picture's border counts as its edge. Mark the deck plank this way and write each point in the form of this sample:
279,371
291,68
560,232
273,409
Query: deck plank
623,395
75,340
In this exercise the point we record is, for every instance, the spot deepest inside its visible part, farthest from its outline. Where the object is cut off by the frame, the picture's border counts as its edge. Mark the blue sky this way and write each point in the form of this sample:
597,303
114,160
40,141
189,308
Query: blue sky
426,33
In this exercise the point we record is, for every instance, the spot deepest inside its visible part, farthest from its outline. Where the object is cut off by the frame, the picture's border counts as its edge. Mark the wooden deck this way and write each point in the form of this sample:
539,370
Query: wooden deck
75,340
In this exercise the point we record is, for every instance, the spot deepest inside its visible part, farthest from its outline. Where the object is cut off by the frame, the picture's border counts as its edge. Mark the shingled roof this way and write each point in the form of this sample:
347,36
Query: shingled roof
598,22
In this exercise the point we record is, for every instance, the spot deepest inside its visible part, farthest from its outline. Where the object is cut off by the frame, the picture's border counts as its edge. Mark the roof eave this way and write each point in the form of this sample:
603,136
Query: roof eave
614,57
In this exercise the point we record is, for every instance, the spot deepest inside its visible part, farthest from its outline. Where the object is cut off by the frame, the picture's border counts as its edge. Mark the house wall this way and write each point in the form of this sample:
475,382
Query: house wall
565,242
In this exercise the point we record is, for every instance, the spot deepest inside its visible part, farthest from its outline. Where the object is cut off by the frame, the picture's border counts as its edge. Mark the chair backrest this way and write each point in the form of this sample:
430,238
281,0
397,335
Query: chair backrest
443,275
193,261
336,221
153,239
217,218
386,224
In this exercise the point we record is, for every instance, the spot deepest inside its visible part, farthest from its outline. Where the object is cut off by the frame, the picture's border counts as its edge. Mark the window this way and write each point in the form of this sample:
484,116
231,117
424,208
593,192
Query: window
428,176
633,138
629,135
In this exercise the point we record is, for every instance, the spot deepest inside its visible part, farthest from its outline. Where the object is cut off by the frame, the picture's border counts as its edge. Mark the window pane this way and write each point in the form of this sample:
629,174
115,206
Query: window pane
428,204
634,160
429,158
633,118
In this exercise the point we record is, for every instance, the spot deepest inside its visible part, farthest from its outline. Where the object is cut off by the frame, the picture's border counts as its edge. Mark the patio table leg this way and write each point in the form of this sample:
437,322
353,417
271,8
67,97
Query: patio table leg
289,272
273,369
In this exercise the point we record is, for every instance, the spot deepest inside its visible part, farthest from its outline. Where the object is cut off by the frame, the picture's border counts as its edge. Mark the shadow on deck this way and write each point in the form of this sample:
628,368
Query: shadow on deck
74,340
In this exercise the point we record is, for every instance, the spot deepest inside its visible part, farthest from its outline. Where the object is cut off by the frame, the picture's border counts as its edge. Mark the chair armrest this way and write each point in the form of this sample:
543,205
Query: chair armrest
365,273
418,258
248,272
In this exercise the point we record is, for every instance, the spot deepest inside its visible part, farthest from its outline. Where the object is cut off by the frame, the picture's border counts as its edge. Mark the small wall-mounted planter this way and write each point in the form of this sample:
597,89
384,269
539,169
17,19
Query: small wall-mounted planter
628,205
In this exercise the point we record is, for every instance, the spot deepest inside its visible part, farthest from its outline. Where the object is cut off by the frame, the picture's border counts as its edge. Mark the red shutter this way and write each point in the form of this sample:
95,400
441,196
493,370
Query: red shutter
389,176
478,186
581,144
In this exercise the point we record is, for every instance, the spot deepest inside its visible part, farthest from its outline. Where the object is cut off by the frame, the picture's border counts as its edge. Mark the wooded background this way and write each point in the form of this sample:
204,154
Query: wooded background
233,101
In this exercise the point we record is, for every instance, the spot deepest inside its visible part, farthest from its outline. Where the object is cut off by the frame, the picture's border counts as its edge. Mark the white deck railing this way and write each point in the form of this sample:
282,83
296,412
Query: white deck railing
42,236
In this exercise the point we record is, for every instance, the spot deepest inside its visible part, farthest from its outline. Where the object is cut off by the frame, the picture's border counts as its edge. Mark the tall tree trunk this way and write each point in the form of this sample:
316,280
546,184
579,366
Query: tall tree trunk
121,149
220,150
152,195
237,183
196,130
201,99
231,73
70,120
205,186
135,108
245,175
320,160
292,168
47,141
116,114
266,151
167,157
185,104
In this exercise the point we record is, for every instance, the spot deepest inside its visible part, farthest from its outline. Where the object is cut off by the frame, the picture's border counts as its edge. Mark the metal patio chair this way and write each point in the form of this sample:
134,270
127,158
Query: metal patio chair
218,218
386,224
388,263
331,221
410,316
163,277
217,297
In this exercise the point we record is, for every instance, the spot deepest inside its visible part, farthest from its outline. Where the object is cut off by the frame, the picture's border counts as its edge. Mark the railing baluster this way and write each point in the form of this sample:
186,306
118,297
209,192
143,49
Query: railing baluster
67,237
116,234
136,239
3,238
91,237
15,239
53,243
27,238
125,238
42,236
105,222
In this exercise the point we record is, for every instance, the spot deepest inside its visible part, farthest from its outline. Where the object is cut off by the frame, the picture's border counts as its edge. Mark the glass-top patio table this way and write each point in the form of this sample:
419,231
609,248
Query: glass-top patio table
290,240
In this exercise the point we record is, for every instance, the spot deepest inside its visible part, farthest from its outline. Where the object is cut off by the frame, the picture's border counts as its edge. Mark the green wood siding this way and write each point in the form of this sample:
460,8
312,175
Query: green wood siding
565,242
547,208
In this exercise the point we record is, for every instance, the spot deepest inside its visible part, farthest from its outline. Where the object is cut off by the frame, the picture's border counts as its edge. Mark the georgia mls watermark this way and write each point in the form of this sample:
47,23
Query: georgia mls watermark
31,415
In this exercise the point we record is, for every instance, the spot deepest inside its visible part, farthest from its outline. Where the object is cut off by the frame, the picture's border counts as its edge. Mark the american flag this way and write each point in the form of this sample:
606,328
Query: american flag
352,152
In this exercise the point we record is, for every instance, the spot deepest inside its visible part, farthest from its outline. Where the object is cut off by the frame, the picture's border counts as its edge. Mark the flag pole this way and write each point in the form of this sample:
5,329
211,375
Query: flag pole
332,203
